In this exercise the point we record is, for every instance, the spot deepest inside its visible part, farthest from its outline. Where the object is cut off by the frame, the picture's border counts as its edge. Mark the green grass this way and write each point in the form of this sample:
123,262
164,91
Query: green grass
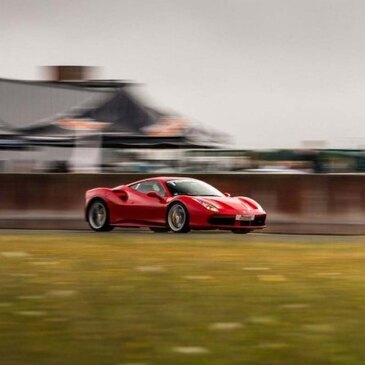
120,298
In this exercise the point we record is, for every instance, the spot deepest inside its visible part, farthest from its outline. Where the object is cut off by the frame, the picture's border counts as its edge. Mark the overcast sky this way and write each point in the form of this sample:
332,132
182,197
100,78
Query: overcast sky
271,73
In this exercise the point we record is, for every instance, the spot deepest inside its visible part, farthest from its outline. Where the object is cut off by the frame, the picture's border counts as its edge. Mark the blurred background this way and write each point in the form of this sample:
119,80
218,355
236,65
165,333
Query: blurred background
70,122
170,86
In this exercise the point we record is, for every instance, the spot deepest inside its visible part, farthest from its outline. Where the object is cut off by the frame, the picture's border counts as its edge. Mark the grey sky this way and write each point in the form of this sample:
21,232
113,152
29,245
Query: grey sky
269,72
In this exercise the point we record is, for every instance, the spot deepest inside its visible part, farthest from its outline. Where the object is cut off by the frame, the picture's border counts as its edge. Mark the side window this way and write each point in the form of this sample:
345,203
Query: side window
147,186
135,186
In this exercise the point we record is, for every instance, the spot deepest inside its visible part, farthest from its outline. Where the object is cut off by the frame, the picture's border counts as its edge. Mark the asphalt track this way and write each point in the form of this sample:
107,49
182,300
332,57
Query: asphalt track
259,237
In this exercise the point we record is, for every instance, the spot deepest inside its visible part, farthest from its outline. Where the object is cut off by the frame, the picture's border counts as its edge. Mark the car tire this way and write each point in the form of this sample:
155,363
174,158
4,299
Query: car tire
241,231
178,218
98,216
159,229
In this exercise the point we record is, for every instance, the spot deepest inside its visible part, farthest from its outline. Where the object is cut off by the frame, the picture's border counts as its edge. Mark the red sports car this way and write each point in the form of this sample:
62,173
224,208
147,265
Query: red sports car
176,204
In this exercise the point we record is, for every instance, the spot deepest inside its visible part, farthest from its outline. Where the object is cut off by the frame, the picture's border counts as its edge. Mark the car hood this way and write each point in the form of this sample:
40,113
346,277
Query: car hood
238,204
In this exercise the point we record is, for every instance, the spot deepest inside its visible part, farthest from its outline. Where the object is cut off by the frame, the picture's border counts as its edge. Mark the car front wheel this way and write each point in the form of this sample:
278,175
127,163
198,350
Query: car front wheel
178,218
98,216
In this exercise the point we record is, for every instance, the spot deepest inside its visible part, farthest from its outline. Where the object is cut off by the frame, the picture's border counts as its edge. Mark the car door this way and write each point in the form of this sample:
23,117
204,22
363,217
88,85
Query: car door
146,209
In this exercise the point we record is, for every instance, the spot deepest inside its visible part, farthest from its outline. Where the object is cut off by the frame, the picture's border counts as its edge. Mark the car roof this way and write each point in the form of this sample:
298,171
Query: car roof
163,178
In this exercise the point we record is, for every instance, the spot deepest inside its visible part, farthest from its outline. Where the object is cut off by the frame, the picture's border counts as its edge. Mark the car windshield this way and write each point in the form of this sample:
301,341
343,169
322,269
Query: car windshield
192,187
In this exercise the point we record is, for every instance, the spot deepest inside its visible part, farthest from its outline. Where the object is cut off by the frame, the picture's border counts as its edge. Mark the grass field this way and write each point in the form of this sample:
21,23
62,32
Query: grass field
122,298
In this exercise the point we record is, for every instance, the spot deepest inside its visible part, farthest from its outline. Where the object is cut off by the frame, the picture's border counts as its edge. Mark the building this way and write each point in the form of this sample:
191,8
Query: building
88,126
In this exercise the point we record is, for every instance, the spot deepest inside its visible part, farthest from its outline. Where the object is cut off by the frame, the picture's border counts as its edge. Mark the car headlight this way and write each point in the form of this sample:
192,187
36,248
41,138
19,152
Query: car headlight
207,205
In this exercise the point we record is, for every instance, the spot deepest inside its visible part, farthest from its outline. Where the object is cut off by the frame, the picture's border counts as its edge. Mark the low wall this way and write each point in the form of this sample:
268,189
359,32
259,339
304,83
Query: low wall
294,203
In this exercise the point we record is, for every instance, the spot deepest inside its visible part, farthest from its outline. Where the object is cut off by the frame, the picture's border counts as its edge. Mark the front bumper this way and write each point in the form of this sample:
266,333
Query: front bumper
221,221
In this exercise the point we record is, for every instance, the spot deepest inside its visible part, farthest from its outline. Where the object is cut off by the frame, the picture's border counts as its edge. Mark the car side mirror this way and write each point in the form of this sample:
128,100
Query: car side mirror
121,194
154,194
227,194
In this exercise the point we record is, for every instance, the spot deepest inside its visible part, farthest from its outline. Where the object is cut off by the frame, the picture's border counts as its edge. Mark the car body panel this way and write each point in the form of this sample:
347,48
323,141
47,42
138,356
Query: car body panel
129,207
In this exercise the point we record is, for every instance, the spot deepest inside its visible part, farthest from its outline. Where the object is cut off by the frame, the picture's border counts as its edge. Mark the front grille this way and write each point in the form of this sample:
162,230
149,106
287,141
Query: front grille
222,221
258,221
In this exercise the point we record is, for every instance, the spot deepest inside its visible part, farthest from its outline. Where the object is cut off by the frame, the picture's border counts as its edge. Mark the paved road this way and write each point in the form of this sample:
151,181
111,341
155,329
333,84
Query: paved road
199,235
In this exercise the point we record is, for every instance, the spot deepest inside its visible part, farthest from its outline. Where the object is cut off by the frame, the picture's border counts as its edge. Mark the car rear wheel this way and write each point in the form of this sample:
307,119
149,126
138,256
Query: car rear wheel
178,218
98,216
241,231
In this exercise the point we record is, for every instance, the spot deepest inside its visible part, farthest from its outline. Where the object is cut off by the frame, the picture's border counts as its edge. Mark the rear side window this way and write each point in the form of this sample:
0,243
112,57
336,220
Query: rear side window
147,186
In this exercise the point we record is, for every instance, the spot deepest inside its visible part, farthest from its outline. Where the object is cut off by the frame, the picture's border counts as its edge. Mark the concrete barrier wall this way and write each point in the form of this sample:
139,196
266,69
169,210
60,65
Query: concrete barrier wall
294,203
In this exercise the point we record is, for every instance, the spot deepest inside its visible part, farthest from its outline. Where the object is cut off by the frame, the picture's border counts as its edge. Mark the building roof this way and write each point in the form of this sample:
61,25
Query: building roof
58,113
28,103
